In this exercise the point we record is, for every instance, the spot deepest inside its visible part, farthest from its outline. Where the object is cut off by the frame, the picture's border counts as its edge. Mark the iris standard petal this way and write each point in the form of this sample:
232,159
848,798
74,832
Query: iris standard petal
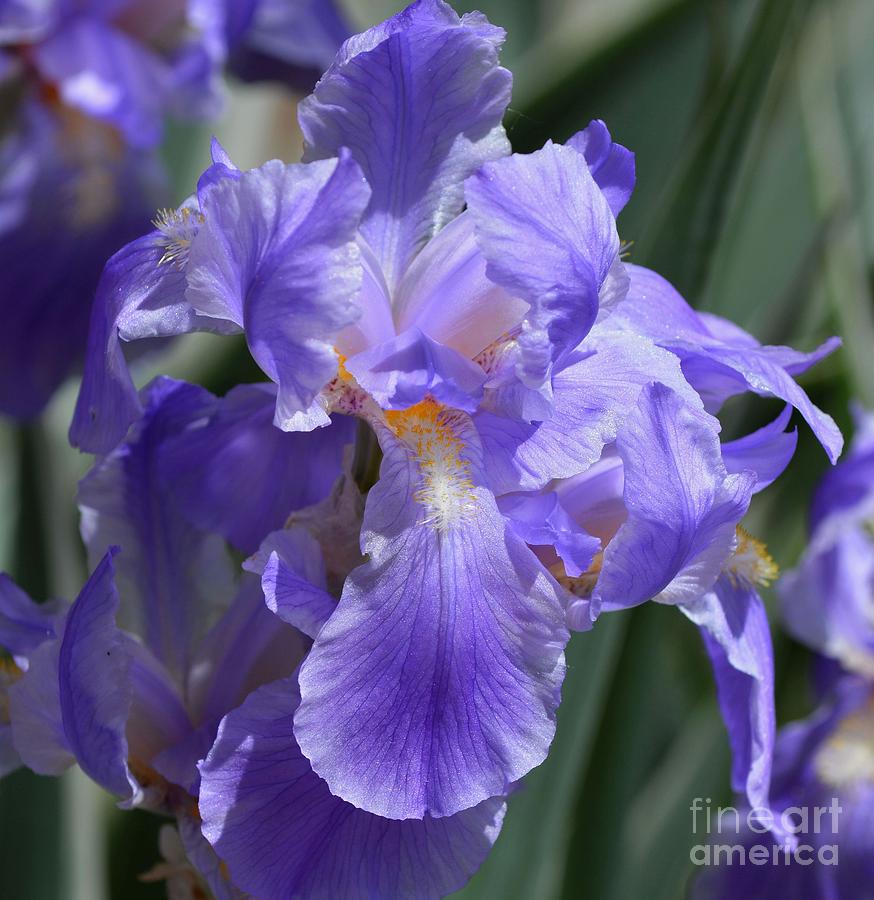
276,254
284,835
375,324
446,293
419,101
549,237
174,578
611,164
434,684
683,507
595,499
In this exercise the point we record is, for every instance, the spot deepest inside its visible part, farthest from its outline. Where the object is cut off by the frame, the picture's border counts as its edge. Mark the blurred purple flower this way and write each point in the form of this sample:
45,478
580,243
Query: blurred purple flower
91,86
292,41
826,600
823,785
71,193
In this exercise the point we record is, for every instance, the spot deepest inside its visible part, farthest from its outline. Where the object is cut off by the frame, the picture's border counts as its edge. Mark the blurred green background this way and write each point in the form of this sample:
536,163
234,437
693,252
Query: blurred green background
753,125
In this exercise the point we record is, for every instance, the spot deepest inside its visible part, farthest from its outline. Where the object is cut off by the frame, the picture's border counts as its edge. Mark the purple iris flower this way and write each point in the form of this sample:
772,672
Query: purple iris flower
827,761
346,257
664,509
545,415
176,583
91,86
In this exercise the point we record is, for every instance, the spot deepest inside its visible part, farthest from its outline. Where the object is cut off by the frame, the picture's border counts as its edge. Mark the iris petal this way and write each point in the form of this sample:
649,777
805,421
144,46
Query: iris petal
766,451
95,690
406,369
612,166
683,507
550,238
24,625
239,476
276,255
283,834
719,358
124,500
434,684
591,398
419,101
734,626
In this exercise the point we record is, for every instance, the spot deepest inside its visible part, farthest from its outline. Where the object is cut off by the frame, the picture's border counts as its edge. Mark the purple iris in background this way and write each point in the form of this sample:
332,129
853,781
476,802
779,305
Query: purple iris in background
826,761
292,41
545,416
89,87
